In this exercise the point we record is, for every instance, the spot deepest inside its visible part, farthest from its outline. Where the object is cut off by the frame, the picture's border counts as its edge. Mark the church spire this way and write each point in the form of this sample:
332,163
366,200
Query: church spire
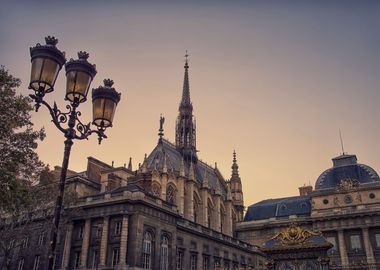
186,86
185,126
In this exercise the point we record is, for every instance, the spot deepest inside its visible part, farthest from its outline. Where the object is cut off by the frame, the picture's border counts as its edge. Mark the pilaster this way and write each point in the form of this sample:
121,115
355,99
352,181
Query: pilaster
67,247
85,243
124,243
104,242
342,249
368,249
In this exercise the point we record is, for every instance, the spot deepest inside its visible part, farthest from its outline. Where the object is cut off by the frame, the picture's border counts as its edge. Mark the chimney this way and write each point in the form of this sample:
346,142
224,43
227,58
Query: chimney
305,190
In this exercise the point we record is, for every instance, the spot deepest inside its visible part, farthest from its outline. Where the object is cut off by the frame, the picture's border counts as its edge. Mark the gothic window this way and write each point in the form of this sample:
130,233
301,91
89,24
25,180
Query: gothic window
222,217
147,251
156,190
164,253
195,212
170,194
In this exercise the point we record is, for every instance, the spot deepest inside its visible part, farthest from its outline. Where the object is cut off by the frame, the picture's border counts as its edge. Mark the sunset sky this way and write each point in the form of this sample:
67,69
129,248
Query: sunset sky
275,80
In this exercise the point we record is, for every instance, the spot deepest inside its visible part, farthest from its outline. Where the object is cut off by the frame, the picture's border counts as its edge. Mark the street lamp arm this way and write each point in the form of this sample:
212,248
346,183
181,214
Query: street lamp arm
85,131
57,116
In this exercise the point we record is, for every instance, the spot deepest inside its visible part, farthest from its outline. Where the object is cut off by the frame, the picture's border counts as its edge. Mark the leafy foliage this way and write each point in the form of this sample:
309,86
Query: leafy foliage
19,164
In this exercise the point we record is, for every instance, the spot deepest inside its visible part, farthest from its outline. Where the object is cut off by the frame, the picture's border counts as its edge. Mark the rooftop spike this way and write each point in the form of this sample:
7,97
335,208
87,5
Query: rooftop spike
130,164
144,166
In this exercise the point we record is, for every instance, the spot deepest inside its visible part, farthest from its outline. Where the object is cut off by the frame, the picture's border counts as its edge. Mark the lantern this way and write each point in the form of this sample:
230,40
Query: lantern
104,100
47,61
79,75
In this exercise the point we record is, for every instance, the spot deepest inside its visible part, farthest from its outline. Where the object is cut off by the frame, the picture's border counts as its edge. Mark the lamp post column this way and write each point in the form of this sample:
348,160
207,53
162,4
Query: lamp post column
59,202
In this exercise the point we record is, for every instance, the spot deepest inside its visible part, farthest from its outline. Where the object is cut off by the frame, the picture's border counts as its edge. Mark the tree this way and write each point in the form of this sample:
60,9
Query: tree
19,164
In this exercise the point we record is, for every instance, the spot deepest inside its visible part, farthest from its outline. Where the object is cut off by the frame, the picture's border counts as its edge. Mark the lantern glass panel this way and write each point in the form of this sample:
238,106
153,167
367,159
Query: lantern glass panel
103,112
77,85
43,75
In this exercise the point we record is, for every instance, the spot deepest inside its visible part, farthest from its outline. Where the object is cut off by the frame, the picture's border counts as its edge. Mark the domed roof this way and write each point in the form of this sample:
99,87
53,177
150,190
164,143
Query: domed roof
346,167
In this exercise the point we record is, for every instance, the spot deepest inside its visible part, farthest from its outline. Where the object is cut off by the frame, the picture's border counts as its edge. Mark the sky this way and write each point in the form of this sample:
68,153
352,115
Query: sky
275,80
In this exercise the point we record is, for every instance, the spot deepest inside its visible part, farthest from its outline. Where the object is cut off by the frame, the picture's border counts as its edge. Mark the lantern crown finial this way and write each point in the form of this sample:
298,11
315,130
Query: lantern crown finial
108,82
51,40
82,55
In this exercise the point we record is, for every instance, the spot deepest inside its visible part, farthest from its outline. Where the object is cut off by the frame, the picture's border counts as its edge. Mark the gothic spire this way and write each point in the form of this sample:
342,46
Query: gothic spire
185,101
185,126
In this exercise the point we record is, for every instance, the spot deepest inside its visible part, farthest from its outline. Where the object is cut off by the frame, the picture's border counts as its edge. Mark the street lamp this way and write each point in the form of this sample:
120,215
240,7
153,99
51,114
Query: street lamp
47,61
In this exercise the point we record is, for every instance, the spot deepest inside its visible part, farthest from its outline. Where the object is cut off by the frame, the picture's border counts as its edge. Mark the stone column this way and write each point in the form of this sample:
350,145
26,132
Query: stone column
217,217
181,195
67,247
104,242
189,200
342,249
85,243
124,242
368,249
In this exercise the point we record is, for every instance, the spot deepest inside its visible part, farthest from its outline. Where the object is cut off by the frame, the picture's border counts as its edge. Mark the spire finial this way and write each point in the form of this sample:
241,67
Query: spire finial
161,130
187,60
341,142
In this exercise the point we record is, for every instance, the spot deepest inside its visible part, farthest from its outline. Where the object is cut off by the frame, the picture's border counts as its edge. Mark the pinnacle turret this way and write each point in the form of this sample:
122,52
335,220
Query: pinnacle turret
235,168
185,126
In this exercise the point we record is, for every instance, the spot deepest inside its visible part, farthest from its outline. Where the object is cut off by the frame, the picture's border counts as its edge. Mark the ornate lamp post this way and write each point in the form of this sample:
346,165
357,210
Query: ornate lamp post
47,61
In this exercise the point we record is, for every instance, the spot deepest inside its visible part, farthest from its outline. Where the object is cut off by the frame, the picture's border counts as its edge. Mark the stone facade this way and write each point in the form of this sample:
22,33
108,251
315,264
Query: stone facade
347,213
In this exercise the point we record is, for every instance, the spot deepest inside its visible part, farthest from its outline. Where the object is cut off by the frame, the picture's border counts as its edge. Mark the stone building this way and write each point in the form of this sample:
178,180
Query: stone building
173,212
344,206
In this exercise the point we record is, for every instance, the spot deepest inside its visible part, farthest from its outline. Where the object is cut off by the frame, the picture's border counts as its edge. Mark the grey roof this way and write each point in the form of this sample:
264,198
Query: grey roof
345,167
155,160
283,207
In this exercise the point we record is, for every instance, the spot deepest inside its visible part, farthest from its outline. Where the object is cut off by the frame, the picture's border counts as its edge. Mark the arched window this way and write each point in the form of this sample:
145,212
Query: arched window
164,261
146,258
170,194
156,190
